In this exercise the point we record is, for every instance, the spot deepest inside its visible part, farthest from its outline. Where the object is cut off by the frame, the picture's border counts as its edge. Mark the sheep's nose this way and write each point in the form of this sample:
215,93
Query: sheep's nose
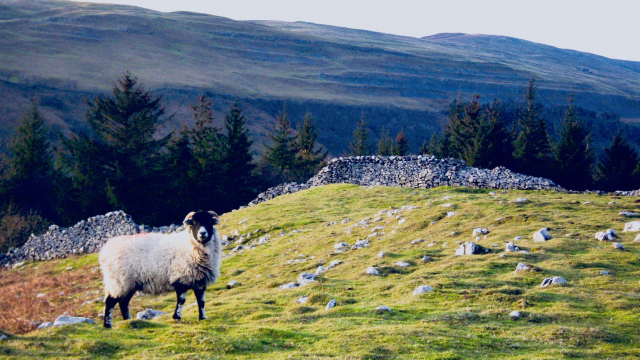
202,232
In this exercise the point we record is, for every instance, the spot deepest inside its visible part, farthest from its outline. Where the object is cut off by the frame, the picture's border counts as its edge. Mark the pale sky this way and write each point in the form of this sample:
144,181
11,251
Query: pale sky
609,28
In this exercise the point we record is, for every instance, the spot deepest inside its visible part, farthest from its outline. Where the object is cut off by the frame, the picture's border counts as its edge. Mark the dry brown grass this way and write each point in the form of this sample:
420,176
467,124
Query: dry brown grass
65,292
17,224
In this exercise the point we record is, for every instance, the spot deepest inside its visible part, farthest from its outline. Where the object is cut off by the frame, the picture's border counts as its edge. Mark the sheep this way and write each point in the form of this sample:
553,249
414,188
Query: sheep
159,263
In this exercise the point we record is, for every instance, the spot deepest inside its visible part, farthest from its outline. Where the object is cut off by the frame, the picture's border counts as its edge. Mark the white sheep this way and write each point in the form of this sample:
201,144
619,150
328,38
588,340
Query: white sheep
157,263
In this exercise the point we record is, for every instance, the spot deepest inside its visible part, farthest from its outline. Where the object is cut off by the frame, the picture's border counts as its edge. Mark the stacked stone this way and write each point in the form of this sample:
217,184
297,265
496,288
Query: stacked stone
286,188
84,237
423,172
411,171
628,193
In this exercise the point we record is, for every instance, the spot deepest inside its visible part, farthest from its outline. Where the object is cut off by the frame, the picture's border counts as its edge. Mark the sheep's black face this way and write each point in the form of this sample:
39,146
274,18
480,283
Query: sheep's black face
201,224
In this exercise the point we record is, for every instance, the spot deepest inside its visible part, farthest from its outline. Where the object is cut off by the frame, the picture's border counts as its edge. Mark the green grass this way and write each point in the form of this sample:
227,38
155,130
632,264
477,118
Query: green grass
466,316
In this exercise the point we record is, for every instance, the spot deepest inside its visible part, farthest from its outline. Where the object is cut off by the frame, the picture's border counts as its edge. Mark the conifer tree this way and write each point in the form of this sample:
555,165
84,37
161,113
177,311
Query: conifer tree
206,145
531,147
281,153
385,143
117,168
182,180
424,148
360,144
462,126
401,146
573,155
309,157
476,134
237,160
204,137
615,170
29,182
434,146
491,143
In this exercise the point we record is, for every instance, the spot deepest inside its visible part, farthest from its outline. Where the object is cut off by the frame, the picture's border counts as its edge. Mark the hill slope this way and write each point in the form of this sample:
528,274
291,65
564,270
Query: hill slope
465,316
52,49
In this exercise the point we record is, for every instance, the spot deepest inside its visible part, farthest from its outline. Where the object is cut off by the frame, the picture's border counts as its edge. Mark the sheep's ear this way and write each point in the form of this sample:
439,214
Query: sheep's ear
216,218
188,221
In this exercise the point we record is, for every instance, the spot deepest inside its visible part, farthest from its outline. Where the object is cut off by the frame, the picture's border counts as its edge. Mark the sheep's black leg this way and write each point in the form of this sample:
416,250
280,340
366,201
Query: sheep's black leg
110,304
200,298
124,305
181,293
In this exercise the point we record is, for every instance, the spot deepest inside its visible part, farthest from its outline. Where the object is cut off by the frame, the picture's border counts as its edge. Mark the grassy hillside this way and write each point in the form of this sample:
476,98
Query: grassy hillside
465,316
51,50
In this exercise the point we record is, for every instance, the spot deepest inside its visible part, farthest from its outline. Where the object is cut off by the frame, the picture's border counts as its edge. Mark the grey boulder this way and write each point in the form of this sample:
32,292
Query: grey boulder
633,226
610,234
68,320
542,235
45,325
618,246
556,280
305,278
372,271
149,314
422,290
469,248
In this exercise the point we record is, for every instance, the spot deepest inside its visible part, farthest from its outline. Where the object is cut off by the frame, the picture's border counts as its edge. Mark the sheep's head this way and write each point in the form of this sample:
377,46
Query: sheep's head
200,225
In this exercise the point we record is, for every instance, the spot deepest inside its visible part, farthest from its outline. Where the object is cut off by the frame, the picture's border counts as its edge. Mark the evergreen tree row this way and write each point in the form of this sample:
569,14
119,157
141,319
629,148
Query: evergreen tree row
293,157
125,163
478,134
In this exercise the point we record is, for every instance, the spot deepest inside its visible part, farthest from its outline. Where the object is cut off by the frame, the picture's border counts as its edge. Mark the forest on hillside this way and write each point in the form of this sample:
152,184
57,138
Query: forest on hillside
121,162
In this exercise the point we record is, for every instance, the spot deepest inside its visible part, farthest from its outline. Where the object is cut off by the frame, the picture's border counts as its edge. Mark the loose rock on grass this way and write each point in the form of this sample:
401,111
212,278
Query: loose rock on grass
556,280
149,314
422,290
331,304
610,234
469,248
633,226
542,235
372,271
68,320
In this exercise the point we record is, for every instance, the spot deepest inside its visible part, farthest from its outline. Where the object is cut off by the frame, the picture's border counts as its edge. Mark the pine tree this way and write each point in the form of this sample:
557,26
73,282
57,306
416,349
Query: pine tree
182,188
491,143
239,180
309,157
462,127
615,170
531,147
360,144
434,146
385,143
424,148
117,168
281,153
204,137
573,155
476,134
401,146
30,177
439,146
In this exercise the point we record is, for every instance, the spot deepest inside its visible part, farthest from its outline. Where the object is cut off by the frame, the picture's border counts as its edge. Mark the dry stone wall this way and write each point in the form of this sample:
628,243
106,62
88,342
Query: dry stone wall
412,171
84,237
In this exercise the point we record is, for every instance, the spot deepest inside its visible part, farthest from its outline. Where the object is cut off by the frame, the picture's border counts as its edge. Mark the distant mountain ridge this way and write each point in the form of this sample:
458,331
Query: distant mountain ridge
63,51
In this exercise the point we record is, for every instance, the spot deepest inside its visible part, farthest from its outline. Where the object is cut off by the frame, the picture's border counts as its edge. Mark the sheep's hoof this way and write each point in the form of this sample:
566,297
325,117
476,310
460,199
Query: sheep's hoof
107,326
202,318
176,317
